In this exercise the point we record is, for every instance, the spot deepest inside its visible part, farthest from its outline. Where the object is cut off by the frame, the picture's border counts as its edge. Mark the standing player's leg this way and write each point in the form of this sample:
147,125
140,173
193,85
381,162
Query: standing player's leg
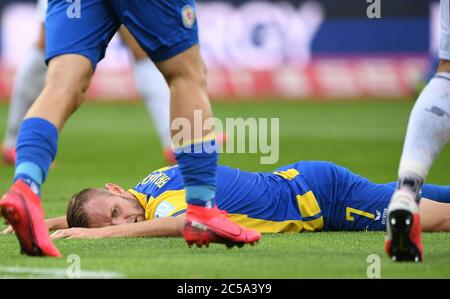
73,48
428,132
153,88
36,149
28,83
186,76
173,45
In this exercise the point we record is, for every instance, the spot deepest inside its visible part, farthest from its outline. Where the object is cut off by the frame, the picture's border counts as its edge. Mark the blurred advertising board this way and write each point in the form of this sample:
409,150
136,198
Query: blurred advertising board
296,49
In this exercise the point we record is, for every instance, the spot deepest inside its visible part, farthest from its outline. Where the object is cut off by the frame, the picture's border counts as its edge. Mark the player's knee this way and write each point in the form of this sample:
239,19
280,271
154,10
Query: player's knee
444,66
197,73
62,88
70,73
193,75
188,68
68,79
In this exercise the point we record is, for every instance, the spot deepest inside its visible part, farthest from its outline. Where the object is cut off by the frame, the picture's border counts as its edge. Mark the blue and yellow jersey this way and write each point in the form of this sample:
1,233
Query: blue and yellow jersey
304,196
268,202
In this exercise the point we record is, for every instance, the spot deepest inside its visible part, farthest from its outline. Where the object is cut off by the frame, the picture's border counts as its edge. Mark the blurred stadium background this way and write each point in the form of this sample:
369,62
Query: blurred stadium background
289,49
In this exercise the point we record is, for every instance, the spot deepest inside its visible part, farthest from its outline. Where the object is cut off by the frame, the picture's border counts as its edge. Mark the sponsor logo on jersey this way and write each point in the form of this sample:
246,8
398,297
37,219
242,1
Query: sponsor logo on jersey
164,209
378,217
383,219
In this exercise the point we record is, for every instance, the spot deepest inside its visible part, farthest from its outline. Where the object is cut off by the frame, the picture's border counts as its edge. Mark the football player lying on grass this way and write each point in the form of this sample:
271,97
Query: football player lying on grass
305,196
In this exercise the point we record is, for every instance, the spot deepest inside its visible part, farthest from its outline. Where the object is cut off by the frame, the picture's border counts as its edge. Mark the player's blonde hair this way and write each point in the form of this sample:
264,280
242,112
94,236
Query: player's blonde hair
76,211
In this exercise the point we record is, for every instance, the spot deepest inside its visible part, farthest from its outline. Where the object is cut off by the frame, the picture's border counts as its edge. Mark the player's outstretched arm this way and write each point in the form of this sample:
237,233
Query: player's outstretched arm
435,216
160,227
57,223
52,224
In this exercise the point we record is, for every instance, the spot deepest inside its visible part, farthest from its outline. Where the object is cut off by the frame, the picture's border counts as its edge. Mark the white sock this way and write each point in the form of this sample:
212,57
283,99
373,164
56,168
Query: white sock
153,88
28,84
428,128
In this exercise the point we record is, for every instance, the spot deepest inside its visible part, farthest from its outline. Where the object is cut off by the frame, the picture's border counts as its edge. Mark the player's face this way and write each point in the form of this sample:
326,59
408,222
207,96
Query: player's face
112,209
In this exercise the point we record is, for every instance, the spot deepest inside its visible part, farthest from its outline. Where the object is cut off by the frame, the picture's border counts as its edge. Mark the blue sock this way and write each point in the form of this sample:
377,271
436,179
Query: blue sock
37,144
198,164
433,192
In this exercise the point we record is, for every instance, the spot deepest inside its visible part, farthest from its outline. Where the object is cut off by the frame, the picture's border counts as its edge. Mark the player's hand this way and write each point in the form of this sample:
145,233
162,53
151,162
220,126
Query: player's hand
78,233
8,230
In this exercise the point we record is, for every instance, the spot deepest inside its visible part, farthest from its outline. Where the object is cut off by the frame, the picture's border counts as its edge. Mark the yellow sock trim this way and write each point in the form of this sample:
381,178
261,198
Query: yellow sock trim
207,138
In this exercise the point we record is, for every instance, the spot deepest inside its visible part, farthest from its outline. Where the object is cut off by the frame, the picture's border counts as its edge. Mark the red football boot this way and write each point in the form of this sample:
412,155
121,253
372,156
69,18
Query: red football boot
205,225
403,229
9,155
23,210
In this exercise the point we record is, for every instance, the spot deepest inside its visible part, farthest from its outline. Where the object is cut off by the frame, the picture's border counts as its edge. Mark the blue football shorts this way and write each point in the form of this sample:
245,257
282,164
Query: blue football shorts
163,28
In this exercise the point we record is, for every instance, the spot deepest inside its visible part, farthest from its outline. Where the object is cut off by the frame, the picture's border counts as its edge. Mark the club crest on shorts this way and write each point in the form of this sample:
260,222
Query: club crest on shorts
188,16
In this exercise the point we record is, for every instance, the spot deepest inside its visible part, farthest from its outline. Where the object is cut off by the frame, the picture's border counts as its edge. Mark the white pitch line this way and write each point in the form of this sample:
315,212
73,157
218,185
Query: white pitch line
56,272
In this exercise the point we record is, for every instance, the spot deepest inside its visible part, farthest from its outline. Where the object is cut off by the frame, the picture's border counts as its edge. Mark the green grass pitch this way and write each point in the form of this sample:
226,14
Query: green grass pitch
116,143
